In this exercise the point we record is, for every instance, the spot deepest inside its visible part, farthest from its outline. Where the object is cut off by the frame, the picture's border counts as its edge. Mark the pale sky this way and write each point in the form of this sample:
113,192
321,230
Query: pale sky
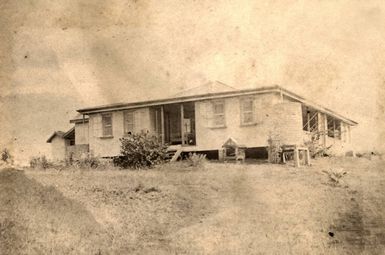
58,56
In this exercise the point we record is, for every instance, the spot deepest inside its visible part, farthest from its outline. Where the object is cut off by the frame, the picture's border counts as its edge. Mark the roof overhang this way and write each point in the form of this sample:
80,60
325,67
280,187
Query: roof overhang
69,134
124,106
218,95
317,107
79,121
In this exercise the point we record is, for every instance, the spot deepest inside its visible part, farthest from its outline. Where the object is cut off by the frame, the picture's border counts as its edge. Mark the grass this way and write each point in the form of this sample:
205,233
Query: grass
174,209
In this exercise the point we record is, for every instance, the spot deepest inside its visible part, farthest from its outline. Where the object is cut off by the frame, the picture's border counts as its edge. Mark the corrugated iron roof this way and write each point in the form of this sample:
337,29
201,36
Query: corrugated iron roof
189,96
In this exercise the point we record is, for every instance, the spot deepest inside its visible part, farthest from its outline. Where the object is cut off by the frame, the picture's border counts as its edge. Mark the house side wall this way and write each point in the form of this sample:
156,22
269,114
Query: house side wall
281,121
275,118
58,148
81,133
110,146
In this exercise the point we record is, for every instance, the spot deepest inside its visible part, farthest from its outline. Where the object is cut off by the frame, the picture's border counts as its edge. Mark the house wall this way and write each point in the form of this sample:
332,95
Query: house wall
280,120
110,146
77,151
81,133
58,148
275,118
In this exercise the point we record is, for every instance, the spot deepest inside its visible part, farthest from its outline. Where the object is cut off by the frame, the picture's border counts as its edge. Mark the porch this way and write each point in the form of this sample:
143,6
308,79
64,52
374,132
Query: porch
174,124
323,127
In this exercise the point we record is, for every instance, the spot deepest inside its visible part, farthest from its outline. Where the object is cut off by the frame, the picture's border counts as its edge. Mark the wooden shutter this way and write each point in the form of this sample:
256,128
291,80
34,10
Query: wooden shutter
97,125
259,111
136,121
140,120
206,111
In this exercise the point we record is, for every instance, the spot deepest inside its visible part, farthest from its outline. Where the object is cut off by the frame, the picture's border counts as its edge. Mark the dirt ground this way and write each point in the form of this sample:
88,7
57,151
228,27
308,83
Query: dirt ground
221,209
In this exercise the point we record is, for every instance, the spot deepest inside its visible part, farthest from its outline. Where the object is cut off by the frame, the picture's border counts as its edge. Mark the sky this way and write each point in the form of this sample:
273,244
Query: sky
59,56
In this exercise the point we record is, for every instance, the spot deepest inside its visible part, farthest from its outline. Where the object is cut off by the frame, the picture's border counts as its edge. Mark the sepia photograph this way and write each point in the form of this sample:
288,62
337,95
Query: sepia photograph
192,127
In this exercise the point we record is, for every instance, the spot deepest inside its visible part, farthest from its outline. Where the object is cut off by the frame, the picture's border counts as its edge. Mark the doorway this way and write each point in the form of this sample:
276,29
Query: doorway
179,124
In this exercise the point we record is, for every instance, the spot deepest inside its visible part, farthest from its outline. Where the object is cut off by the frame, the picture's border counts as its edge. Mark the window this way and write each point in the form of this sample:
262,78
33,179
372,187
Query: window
247,111
219,114
334,128
107,124
129,122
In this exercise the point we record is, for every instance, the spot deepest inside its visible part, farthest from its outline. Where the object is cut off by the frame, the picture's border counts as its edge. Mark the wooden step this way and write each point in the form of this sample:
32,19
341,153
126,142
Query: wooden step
174,152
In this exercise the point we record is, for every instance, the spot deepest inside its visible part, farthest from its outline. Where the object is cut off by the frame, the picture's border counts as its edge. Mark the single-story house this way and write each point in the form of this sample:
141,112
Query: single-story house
204,118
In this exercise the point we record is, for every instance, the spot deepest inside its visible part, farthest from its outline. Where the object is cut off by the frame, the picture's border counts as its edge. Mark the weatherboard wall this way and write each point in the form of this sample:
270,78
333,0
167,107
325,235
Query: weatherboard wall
81,133
273,118
110,146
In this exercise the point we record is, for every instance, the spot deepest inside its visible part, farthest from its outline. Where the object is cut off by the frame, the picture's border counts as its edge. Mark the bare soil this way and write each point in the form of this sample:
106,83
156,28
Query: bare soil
221,209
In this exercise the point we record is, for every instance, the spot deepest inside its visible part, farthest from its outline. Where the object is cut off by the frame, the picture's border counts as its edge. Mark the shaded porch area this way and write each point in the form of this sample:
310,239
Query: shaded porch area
174,124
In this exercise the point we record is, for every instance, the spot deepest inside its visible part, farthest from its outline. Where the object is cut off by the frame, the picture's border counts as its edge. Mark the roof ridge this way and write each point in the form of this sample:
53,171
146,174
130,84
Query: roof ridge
210,85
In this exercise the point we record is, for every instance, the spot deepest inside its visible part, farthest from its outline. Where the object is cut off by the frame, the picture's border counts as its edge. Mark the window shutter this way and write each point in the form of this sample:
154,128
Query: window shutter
259,113
143,120
209,114
136,122
203,113
140,117
97,125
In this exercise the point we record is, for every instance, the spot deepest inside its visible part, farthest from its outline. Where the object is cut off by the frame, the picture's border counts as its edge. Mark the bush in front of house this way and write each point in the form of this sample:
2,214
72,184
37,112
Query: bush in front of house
89,161
140,151
39,162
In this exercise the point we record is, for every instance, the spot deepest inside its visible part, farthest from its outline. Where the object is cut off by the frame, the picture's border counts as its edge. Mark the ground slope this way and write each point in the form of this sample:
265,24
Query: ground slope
223,209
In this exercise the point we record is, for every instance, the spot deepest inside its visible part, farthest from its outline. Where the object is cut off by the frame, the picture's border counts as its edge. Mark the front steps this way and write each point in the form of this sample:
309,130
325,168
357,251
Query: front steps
174,152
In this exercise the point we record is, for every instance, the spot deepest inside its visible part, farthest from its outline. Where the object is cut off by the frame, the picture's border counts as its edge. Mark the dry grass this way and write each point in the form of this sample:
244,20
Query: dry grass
223,209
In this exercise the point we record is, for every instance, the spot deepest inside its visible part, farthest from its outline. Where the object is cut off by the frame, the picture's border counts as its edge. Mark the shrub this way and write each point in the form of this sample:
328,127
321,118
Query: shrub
335,176
89,161
275,150
140,151
315,148
196,160
39,162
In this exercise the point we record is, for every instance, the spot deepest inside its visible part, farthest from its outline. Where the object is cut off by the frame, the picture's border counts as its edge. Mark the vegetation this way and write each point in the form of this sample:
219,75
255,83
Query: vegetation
274,150
40,162
316,149
86,162
335,176
140,151
196,160
226,209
